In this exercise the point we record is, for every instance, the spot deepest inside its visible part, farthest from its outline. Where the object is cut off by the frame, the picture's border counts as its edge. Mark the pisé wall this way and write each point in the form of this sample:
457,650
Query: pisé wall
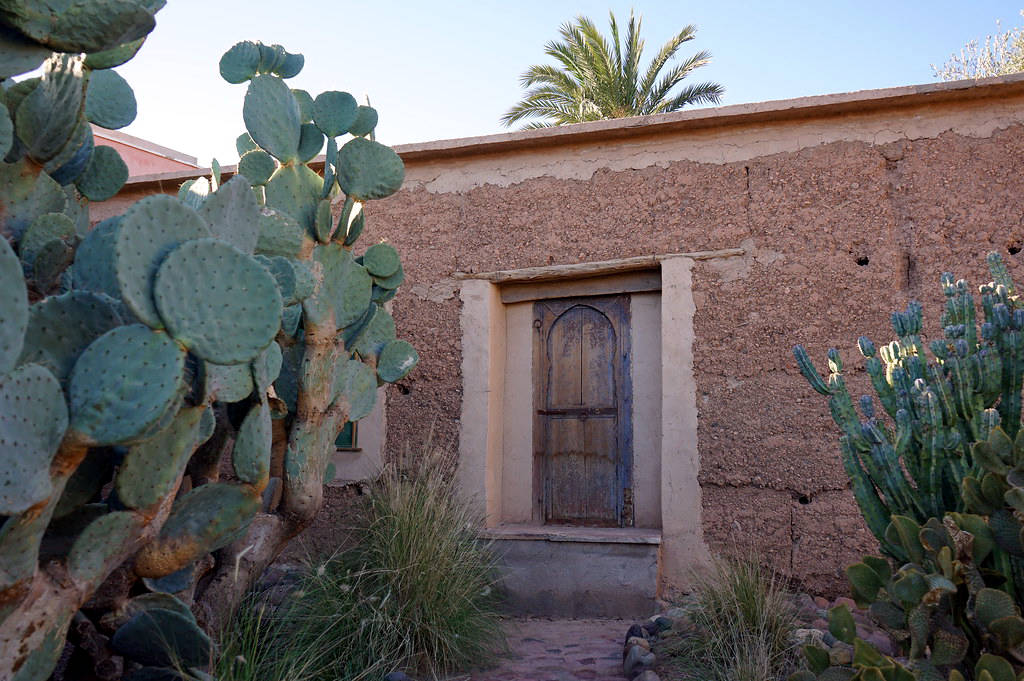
844,207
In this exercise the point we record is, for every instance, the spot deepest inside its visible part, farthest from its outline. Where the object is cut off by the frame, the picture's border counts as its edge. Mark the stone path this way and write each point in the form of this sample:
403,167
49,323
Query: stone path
560,650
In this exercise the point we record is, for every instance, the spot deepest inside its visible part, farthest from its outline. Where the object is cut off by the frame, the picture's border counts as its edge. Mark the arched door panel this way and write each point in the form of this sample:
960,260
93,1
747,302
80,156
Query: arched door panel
582,399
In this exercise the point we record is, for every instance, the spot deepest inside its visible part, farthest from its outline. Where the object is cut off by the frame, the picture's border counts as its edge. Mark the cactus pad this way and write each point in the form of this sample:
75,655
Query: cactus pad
257,166
14,312
251,456
334,112
396,360
382,295
365,122
45,228
359,385
233,214
330,156
173,583
124,383
240,63
48,116
115,56
94,268
217,301
25,194
40,662
109,100
18,54
281,234
272,117
267,367
72,161
33,419
311,141
101,542
50,263
392,282
324,221
163,638
149,230
154,601
244,144
343,290
270,57
201,521
290,318
295,190
151,469
83,26
227,382
379,331
104,176
381,260
61,327
290,66
194,192
294,280
305,102
6,131
369,170
355,228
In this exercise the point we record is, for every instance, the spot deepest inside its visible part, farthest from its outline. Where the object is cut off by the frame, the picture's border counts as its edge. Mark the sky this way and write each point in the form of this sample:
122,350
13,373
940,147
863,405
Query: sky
445,69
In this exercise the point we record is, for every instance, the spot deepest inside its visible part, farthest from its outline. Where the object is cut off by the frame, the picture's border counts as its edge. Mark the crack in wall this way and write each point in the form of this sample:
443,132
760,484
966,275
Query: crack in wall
896,196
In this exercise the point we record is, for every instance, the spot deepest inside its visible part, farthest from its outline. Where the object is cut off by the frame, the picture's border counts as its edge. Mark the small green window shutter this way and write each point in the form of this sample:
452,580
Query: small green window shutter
347,437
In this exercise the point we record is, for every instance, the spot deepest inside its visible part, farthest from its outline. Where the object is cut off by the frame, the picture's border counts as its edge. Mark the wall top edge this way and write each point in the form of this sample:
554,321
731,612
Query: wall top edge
818,106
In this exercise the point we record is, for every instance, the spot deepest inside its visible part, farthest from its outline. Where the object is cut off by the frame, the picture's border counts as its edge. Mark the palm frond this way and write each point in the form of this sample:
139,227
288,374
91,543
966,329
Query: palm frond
595,77
673,77
634,50
667,51
691,95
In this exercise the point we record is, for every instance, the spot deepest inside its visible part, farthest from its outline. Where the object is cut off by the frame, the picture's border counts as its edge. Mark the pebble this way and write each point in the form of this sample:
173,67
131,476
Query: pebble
638,641
637,660
841,654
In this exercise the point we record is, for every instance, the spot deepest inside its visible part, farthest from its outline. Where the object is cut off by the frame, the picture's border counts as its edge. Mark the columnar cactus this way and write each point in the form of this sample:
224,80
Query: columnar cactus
914,465
233,320
942,487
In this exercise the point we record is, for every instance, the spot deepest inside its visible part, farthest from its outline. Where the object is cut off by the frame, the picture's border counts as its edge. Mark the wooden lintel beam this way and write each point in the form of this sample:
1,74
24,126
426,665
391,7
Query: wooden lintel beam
593,269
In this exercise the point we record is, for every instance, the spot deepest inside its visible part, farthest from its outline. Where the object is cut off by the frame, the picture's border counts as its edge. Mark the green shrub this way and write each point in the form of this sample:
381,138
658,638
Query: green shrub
743,623
416,592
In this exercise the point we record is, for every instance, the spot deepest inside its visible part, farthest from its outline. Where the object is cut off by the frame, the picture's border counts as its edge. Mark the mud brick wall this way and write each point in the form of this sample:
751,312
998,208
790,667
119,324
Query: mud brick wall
847,206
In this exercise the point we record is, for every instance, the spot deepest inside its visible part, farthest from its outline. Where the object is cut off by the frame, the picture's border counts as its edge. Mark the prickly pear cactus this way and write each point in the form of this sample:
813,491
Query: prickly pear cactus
950,612
233,321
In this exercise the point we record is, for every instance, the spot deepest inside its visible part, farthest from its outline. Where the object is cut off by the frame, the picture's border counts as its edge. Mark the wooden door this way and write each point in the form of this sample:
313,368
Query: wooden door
582,425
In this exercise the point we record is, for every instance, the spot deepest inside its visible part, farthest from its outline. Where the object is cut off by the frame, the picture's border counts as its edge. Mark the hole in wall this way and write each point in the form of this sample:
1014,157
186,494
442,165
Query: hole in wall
402,389
863,260
804,499
1013,249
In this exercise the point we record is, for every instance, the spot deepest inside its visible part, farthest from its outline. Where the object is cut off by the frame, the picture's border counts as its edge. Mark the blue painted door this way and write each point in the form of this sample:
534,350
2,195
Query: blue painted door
582,422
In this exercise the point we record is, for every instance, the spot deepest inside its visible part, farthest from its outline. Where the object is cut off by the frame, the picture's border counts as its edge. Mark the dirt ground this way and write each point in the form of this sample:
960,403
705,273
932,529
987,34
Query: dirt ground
559,650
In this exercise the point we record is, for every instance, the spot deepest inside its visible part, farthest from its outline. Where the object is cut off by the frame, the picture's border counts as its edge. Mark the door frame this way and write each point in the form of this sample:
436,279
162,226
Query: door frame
617,309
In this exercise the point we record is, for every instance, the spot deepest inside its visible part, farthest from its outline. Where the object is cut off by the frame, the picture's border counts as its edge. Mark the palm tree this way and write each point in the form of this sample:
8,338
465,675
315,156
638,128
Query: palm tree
596,79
